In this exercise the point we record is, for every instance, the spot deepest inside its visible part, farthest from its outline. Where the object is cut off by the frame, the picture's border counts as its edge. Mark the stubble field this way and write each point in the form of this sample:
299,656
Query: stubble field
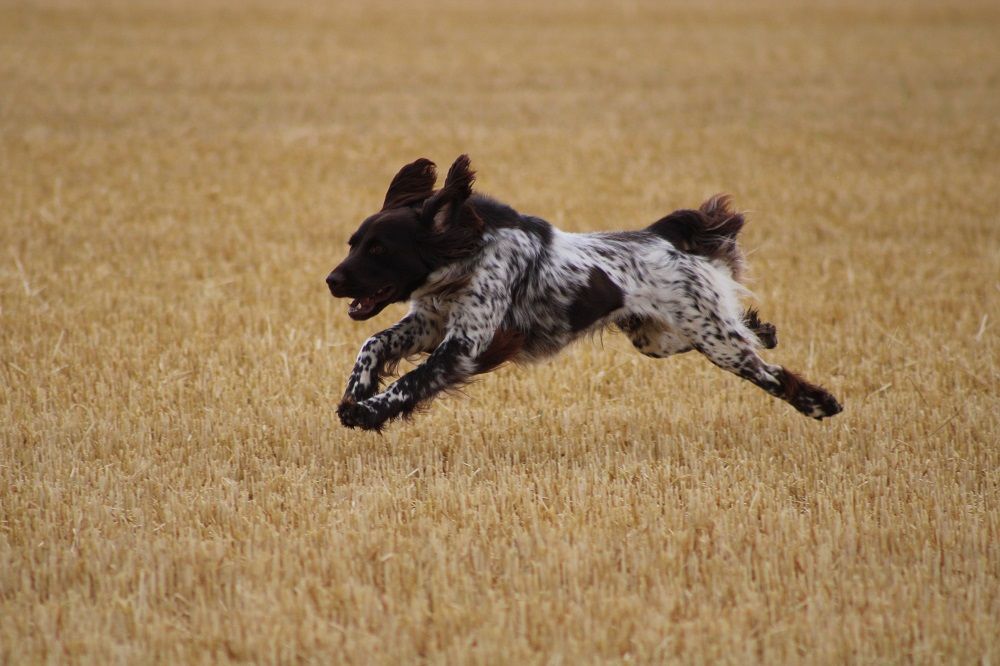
177,178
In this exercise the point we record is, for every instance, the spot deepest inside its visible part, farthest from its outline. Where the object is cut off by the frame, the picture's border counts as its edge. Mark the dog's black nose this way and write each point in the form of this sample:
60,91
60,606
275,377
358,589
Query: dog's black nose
335,281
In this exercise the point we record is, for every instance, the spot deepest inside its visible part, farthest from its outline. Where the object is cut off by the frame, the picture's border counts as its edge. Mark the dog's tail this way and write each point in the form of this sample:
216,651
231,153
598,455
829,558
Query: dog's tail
709,232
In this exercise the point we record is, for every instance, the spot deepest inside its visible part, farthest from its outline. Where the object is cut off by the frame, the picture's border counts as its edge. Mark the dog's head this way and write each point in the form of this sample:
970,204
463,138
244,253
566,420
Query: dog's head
417,231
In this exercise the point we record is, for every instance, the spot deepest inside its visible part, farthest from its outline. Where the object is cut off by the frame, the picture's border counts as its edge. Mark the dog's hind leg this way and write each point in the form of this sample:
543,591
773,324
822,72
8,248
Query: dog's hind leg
730,350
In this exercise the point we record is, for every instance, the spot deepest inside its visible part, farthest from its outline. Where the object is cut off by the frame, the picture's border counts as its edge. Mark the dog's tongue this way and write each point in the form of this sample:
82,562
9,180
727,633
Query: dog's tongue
361,306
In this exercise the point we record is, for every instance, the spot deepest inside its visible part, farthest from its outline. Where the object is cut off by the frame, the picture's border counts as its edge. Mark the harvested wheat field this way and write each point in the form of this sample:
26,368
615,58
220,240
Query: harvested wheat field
177,179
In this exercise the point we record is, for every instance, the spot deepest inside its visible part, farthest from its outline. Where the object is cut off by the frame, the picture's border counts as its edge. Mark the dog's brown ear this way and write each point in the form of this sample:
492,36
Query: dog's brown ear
414,183
445,208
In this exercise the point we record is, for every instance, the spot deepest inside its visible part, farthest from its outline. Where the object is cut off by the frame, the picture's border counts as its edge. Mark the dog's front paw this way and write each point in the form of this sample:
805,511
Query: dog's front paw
359,415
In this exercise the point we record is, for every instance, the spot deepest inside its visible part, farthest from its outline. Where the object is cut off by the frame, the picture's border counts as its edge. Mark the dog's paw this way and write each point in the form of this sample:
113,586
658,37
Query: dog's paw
359,415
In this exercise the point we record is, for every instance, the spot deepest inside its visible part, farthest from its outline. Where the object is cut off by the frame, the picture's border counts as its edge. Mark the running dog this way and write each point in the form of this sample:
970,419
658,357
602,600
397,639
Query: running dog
487,284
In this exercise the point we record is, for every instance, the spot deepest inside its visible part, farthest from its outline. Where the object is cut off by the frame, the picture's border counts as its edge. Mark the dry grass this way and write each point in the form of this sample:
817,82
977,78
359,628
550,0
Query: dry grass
177,179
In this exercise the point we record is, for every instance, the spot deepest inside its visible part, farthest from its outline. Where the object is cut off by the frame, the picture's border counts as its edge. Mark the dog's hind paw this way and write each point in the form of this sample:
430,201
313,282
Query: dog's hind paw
817,403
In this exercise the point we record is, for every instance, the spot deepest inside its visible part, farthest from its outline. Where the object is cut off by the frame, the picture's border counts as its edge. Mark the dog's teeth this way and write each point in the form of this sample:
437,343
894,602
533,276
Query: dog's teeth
361,304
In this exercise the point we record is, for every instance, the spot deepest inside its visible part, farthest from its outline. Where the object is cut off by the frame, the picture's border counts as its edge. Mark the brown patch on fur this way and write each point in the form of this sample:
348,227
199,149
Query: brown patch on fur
505,344
599,297
791,385
807,397
709,231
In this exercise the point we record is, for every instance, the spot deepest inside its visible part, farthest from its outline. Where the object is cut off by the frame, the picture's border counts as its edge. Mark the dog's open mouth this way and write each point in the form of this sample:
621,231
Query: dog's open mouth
369,306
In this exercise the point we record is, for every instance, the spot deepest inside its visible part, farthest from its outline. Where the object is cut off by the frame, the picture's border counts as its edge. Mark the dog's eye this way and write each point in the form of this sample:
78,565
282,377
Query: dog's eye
376,249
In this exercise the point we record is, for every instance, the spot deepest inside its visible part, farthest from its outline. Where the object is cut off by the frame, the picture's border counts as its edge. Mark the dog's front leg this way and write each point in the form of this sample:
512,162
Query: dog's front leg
417,332
451,364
